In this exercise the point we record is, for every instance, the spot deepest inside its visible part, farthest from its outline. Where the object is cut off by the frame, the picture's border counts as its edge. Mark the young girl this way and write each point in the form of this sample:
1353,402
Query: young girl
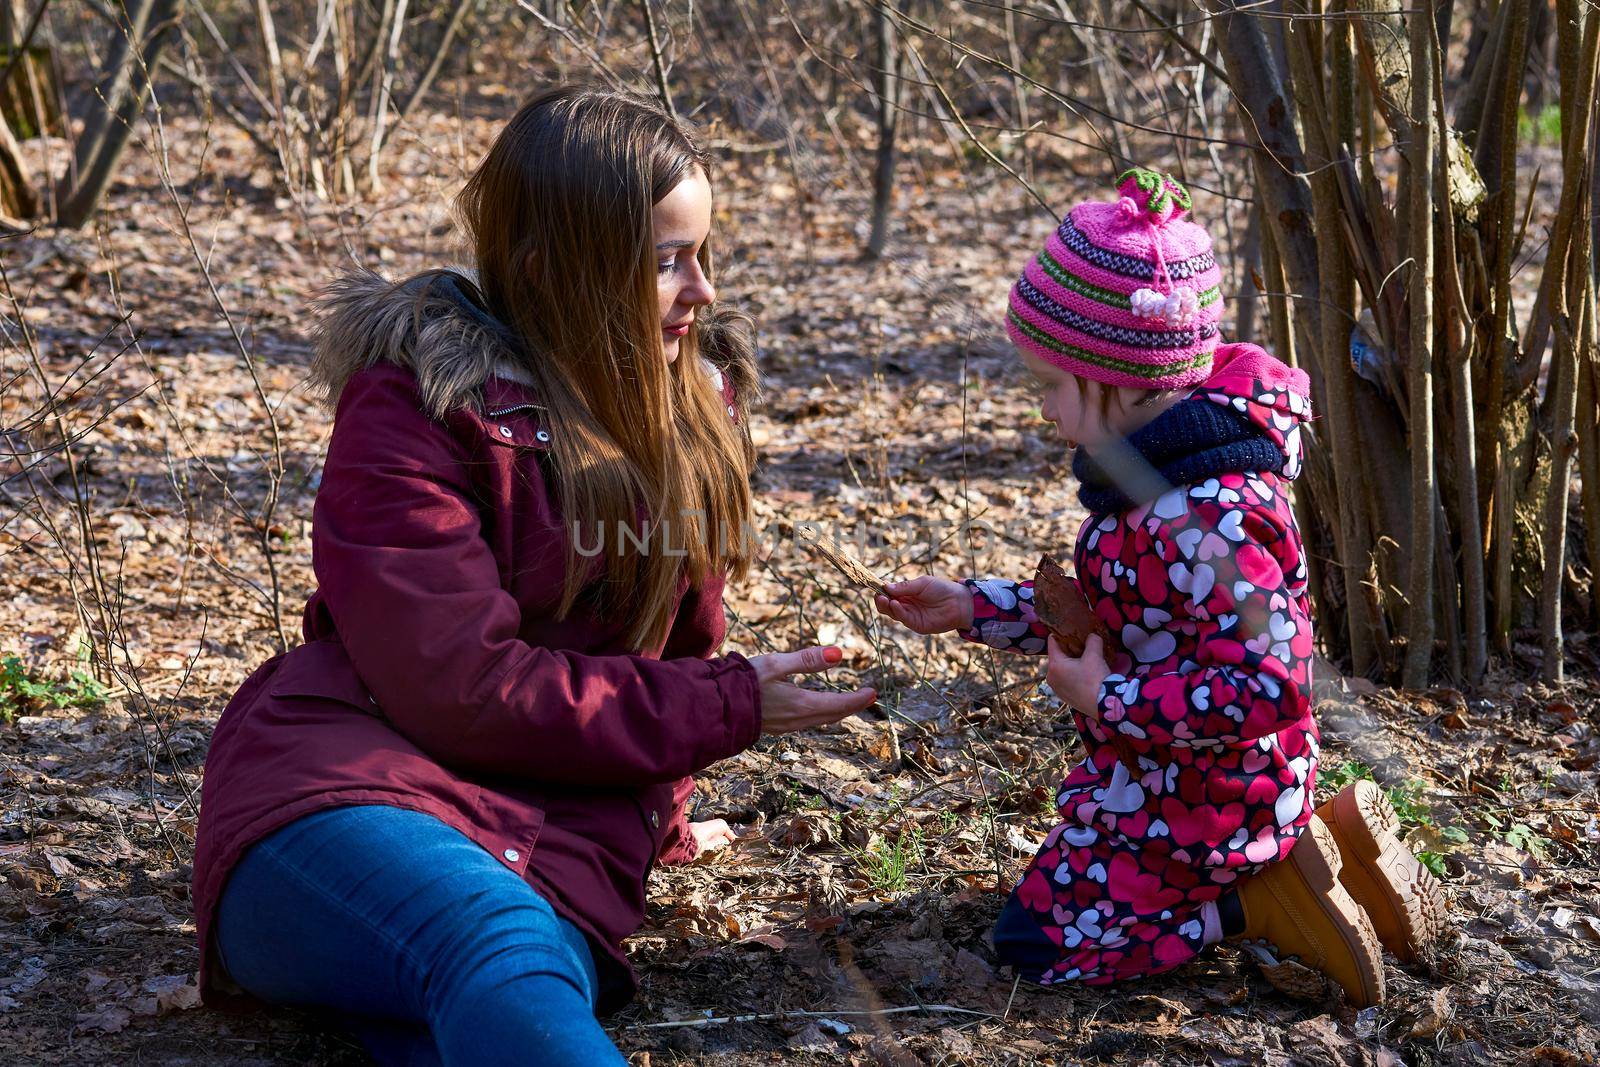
1192,559
435,818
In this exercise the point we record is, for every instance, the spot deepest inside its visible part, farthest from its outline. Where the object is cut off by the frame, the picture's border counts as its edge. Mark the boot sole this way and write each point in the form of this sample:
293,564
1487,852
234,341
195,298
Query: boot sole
1320,866
1403,898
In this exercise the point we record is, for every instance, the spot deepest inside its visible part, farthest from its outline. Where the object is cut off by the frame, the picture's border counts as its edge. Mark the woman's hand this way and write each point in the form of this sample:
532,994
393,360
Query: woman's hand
1077,680
712,834
927,604
785,707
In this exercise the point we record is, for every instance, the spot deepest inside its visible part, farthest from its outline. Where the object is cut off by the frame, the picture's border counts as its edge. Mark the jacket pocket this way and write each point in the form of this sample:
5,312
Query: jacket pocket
322,669
514,426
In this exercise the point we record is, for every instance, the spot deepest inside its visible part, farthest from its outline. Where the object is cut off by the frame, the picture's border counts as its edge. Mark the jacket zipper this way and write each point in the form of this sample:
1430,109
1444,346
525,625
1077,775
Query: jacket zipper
514,407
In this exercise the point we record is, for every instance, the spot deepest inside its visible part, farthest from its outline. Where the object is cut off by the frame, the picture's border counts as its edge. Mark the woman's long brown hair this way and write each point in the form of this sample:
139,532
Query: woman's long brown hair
559,214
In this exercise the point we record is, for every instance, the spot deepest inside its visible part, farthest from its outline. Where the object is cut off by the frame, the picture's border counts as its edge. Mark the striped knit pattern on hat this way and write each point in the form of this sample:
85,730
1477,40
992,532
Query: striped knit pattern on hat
1124,292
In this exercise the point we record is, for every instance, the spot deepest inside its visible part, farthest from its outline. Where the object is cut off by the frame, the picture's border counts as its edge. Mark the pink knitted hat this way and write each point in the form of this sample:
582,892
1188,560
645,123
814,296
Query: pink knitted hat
1125,293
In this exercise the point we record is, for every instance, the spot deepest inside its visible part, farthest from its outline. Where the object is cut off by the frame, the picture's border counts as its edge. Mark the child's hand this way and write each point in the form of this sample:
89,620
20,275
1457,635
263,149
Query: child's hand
927,604
1077,680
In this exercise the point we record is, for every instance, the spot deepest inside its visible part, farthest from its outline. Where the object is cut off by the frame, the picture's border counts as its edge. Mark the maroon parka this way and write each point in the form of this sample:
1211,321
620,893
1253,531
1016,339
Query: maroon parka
434,675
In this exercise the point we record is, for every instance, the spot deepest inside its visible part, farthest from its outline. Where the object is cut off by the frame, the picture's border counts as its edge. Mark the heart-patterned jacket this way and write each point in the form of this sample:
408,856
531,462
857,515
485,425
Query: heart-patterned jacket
1205,590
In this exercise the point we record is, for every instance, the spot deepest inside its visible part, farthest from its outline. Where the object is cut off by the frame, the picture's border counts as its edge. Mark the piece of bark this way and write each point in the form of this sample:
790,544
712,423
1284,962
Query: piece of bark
846,564
1059,603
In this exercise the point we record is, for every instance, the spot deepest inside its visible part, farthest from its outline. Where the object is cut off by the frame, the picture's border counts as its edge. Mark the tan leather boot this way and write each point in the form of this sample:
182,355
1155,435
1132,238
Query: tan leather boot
1399,894
1304,928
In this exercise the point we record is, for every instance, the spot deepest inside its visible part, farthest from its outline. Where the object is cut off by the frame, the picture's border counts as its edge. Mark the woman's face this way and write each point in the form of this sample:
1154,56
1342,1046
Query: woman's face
681,221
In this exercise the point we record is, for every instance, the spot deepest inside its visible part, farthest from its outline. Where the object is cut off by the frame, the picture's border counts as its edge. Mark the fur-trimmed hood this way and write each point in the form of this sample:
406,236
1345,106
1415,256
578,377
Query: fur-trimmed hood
435,324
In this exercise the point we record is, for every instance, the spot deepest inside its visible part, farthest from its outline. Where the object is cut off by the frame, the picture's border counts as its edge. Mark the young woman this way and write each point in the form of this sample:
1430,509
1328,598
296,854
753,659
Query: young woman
435,817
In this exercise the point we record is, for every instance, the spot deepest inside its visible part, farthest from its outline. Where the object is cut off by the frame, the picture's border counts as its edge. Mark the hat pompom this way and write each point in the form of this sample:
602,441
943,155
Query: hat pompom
1150,195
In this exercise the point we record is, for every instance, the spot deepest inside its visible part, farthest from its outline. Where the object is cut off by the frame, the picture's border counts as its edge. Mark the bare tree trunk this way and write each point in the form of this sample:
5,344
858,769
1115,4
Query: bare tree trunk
1588,429
1020,87
101,100
1507,63
1561,234
1495,499
1280,324
33,114
1381,35
1324,136
382,91
1563,443
1573,313
150,26
288,151
344,177
1473,576
1458,351
1244,325
1258,85
887,84
656,62
18,198
327,36
458,18
1419,174
1482,426
1489,72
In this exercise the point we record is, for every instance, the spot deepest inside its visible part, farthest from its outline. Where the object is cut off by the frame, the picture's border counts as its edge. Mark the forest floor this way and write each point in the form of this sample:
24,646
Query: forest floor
851,915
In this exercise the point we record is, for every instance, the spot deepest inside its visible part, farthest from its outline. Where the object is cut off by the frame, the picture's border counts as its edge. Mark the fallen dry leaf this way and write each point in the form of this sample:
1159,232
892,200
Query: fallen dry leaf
107,1019
1434,1017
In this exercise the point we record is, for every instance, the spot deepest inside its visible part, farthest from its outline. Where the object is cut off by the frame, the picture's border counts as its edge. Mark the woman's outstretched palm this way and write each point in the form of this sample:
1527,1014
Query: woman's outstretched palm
785,707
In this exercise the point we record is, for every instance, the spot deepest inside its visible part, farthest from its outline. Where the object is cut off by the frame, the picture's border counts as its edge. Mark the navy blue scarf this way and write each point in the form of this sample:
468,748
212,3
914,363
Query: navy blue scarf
1189,442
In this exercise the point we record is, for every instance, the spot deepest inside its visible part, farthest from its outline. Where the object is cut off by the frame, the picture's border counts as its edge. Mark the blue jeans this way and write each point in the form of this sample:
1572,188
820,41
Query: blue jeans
414,936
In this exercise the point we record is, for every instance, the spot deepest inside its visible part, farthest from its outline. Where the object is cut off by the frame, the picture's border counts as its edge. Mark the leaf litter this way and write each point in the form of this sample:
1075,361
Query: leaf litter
848,923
